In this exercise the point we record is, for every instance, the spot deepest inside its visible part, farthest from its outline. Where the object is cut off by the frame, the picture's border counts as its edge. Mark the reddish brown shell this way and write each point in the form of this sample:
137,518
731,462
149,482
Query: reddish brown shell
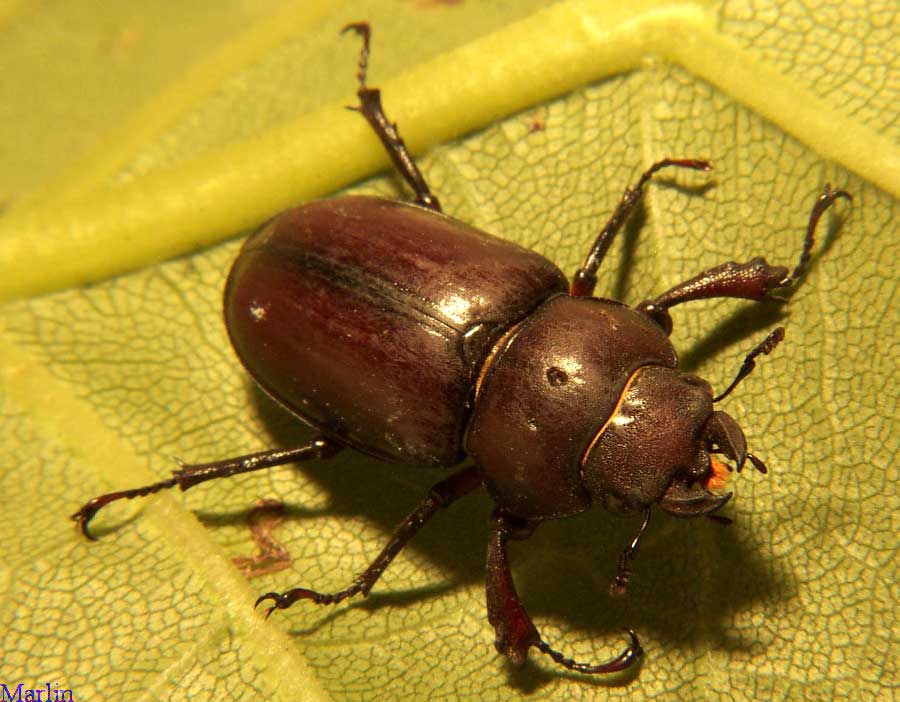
370,319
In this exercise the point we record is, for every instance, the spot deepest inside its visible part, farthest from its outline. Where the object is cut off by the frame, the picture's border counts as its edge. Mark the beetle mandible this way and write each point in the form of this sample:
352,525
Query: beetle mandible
350,311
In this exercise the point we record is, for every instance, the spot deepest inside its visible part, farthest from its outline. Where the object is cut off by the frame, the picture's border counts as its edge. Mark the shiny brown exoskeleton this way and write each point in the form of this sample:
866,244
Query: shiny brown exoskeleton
413,337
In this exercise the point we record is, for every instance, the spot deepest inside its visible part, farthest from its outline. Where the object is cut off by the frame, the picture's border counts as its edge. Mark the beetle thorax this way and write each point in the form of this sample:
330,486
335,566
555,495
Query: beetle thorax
550,384
582,402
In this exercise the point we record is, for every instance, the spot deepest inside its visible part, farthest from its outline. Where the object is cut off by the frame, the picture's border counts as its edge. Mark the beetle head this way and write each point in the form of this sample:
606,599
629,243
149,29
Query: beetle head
657,446
691,496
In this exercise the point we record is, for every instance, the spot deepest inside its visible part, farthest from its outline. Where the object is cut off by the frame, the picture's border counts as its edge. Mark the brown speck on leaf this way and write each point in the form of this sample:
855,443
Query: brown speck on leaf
271,557
536,123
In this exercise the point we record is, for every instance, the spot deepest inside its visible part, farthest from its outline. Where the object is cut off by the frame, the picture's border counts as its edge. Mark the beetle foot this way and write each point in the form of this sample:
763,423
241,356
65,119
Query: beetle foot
625,660
83,516
822,203
619,586
283,600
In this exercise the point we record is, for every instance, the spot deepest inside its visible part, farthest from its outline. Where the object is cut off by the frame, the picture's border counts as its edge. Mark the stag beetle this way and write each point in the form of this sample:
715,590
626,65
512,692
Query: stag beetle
410,336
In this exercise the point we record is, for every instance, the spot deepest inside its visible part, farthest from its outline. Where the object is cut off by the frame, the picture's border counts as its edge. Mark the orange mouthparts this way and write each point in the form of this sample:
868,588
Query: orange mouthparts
718,475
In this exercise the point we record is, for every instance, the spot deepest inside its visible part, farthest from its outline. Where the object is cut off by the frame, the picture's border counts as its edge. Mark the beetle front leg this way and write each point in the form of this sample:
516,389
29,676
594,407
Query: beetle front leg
370,108
585,279
441,495
515,631
753,280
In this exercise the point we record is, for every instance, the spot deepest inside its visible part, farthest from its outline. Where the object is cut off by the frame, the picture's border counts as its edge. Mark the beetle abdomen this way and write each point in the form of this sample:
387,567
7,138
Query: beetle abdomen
370,319
548,390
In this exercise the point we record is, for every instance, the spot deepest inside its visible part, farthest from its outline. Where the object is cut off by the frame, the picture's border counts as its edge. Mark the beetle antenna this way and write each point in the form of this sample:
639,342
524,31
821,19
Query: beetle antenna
758,463
766,347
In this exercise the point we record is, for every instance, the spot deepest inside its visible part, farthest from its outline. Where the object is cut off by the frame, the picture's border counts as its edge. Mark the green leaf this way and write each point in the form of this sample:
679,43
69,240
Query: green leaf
133,134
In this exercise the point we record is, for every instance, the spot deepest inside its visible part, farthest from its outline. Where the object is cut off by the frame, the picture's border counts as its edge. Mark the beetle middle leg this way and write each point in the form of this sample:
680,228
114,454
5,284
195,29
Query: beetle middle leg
623,571
190,475
753,280
370,108
441,495
515,631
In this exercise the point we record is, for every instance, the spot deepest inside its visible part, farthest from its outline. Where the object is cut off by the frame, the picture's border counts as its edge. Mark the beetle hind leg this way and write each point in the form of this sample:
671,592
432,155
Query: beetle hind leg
515,631
187,476
370,108
441,495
